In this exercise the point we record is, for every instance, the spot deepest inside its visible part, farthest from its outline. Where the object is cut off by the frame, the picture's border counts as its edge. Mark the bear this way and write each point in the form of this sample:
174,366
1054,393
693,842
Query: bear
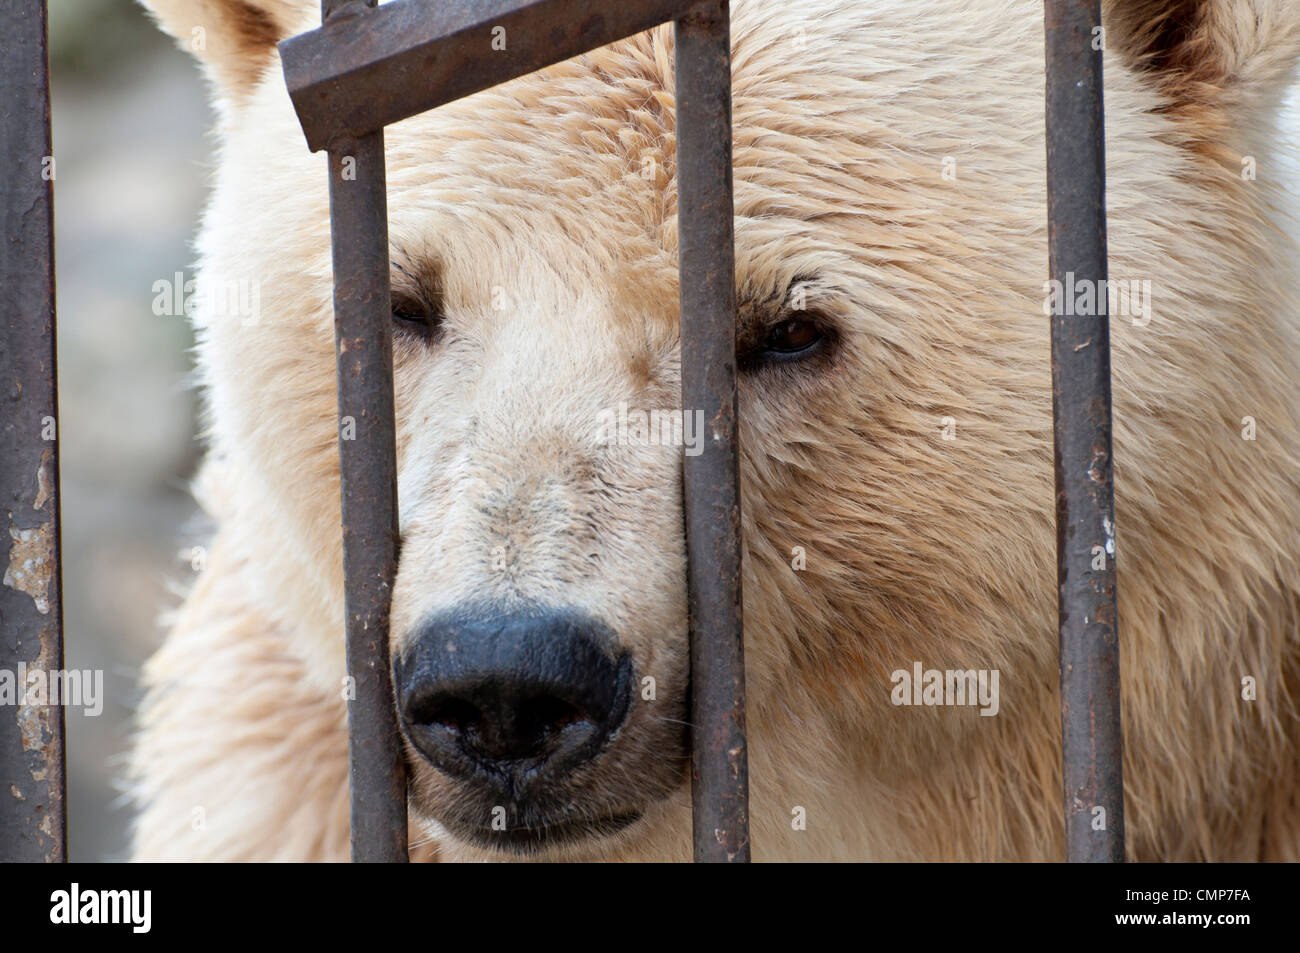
896,462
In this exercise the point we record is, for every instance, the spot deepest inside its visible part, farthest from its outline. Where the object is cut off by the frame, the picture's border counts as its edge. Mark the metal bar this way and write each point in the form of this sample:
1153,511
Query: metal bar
32,810
1091,742
368,467
719,764
357,74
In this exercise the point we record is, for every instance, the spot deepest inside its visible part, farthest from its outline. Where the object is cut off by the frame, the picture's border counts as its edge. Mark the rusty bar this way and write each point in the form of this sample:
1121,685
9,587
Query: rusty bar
719,764
368,466
1091,742
363,70
33,813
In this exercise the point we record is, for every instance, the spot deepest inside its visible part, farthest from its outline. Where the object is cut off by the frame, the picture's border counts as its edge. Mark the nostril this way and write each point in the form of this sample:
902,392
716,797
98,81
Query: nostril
543,716
502,723
455,714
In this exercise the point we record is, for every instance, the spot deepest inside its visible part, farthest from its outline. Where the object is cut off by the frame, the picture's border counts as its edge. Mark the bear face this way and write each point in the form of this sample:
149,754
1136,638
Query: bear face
895,408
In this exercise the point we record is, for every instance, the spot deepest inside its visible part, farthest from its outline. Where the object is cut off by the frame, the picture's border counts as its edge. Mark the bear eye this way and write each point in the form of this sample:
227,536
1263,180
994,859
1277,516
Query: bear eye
791,338
413,316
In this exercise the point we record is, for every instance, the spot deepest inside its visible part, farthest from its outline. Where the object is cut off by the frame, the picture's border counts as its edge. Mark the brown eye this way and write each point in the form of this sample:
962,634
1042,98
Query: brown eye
414,317
792,337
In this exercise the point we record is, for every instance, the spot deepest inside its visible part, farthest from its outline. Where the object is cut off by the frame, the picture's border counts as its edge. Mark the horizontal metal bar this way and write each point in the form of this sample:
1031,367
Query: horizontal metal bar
720,770
32,808
1092,746
366,68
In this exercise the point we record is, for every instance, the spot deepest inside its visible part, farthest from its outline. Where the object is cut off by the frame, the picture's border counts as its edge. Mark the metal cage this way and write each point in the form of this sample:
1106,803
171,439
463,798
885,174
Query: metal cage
368,66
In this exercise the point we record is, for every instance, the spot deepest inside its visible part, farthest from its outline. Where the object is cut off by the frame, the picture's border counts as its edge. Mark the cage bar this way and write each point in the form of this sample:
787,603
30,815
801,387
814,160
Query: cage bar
368,67
32,806
1091,742
368,468
719,764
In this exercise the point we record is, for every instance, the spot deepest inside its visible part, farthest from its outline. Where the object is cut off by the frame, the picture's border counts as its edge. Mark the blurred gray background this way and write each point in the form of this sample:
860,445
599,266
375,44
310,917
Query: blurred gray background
132,158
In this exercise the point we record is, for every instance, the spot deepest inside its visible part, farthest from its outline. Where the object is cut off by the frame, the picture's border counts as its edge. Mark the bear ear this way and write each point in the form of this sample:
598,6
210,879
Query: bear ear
1207,51
234,39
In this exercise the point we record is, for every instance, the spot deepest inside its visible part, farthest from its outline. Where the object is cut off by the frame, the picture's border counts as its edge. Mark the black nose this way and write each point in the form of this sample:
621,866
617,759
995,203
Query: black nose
514,695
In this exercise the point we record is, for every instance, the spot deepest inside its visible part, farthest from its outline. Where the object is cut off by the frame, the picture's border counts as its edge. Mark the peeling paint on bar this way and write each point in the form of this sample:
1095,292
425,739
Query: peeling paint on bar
32,811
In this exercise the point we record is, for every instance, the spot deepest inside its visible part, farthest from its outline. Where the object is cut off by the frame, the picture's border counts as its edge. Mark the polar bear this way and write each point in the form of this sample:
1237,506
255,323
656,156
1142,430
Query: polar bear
896,463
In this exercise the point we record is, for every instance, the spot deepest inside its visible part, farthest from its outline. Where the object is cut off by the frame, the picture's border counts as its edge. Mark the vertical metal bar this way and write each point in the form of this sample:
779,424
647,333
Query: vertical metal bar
32,809
368,466
1085,512
720,772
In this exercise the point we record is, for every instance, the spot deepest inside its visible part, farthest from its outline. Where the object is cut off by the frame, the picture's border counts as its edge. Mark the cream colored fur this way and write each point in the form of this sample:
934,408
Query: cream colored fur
918,548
